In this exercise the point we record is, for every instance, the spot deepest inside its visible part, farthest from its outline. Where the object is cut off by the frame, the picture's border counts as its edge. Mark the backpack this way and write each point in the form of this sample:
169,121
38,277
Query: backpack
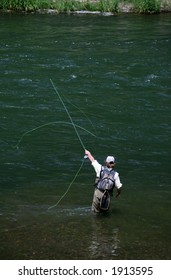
106,179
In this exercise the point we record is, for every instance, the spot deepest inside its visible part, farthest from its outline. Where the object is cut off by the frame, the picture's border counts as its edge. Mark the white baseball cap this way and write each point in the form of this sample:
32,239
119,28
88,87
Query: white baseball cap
110,159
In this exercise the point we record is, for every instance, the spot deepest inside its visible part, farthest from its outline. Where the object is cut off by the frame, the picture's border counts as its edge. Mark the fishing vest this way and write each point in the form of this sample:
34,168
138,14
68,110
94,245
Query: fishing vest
106,179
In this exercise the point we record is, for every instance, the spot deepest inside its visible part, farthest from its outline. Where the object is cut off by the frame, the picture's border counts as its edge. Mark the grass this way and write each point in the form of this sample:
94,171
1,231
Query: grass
147,6
24,5
138,6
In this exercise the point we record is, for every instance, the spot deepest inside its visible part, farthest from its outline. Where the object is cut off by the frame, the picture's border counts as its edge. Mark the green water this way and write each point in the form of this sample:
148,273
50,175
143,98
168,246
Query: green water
114,74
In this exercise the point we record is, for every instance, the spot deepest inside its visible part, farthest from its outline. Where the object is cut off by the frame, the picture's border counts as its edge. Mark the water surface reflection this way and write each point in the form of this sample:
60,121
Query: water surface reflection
104,239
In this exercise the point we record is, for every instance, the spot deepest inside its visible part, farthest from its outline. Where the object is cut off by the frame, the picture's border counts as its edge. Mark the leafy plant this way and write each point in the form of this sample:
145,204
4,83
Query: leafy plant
24,5
147,6
108,5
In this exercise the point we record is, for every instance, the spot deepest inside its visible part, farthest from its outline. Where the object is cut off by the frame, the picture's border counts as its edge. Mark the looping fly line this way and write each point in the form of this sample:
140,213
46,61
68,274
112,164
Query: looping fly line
75,128
51,123
76,131
65,193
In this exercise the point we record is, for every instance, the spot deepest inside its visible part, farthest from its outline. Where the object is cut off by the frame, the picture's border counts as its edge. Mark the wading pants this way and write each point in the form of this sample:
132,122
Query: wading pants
96,201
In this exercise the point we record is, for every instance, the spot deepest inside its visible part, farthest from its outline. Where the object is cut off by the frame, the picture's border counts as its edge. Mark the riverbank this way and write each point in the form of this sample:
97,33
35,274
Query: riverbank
106,7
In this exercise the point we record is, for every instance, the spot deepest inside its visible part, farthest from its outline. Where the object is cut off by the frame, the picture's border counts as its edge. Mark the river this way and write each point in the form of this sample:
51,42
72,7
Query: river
113,74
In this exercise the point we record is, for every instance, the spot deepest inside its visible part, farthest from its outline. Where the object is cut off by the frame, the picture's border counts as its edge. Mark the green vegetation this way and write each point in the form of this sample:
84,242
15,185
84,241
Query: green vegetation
147,6
24,5
60,5
138,6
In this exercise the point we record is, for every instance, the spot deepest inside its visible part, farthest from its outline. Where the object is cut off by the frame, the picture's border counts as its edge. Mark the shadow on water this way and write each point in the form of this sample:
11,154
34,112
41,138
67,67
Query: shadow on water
104,239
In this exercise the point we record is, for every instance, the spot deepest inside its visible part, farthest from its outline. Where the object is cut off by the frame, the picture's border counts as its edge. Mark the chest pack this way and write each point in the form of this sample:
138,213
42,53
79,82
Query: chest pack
106,180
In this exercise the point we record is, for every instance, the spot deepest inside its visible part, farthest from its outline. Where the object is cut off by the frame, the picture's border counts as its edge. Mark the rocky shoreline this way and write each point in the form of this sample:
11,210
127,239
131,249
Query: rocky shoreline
122,8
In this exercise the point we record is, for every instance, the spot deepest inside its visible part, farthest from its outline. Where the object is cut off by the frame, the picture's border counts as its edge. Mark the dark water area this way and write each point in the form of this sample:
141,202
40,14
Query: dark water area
114,75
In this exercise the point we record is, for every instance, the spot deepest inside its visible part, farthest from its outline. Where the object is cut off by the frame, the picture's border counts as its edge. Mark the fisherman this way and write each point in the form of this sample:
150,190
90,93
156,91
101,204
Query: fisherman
106,179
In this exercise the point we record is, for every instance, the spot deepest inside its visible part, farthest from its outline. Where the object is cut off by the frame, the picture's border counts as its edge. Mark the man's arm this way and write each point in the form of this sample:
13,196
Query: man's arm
118,184
118,192
91,158
97,166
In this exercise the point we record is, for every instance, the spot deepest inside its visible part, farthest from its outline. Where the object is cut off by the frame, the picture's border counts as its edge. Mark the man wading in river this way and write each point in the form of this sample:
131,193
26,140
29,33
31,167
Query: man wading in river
106,179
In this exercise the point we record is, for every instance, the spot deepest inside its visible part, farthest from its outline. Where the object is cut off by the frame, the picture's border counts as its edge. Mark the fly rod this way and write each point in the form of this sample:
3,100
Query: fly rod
74,126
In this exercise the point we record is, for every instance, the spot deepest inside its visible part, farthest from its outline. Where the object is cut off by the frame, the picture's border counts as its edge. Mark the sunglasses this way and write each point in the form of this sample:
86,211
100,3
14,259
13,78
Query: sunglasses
111,162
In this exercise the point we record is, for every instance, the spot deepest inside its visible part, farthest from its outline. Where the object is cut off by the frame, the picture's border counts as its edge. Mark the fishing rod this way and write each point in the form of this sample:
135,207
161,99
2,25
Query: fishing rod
76,131
74,126
81,142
